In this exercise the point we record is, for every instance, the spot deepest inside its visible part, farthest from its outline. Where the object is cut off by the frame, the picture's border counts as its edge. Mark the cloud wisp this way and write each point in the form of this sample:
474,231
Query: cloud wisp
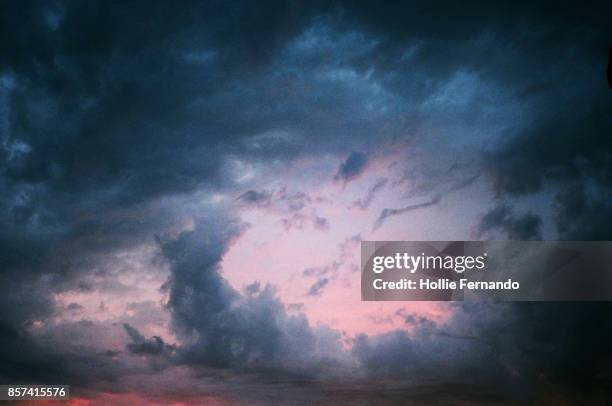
386,213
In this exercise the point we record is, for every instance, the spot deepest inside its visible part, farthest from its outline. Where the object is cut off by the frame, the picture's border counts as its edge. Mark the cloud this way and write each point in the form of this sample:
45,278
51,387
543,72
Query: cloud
300,220
386,213
220,327
365,202
139,345
317,288
352,167
511,346
525,227
33,358
584,214
259,199
253,288
564,144
278,201
117,122
74,308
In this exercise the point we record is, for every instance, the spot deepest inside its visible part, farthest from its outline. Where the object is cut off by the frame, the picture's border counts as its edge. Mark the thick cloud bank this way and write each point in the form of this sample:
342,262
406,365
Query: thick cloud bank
223,328
137,140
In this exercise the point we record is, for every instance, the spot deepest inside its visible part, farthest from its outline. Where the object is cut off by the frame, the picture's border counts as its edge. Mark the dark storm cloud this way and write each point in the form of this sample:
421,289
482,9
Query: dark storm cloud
144,101
522,227
571,150
563,139
140,345
39,261
24,296
352,167
566,140
225,329
106,107
129,92
47,361
584,214
522,349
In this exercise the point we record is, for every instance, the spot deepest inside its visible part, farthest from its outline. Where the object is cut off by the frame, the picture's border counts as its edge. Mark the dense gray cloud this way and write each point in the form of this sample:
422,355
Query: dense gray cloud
525,227
48,360
140,345
222,328
107,108
189,102
525,350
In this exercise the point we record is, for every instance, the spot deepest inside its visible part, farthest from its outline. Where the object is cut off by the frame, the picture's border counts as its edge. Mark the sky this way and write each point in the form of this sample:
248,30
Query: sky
185,187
